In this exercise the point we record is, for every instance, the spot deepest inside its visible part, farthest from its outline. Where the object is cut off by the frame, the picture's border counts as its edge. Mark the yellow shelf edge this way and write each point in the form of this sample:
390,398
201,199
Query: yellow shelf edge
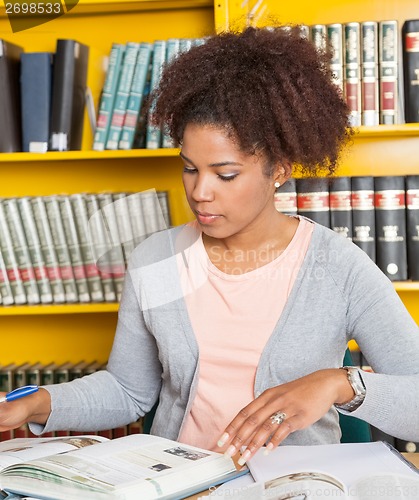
406,286
58,309
89,155
400,286
386,131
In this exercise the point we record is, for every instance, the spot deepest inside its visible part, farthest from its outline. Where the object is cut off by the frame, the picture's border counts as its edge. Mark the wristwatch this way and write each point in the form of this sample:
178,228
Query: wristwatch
357,384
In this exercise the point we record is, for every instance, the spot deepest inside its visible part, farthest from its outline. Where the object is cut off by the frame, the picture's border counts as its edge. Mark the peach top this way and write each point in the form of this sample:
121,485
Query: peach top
233,316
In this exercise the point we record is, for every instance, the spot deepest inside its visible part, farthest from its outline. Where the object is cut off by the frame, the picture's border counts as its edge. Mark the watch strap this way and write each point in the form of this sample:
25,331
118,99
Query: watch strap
358,386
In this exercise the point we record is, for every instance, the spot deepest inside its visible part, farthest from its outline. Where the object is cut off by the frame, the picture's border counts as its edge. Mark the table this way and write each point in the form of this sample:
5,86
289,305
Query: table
412,457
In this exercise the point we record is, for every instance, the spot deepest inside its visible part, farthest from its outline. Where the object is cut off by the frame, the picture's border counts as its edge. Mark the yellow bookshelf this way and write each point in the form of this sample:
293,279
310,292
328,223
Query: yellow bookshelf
85,331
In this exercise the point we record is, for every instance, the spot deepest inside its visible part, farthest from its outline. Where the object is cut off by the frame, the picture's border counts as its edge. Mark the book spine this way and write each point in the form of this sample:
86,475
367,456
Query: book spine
35,82
363,214
412,219
46,241
108,96
313,199
410,34
74,248
11,264
163,198
185,44
172,51
20,375
285,197
116,256
136,96
7,377
10,112
21,251
62,373
100,246
137,217
369,74
388,71
62,95
48,374
351,71
122,95
390,209
61,249
154,134
34,374
341,206
123,219
335,40
68,95
35,251
318,36
153,216
81,219
6,291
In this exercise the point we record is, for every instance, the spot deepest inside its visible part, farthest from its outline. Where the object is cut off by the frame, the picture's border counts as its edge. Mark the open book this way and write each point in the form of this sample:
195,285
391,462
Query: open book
359,471
133,467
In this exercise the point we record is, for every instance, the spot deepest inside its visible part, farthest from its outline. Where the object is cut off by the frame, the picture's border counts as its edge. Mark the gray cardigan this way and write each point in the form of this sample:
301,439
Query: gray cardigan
338,295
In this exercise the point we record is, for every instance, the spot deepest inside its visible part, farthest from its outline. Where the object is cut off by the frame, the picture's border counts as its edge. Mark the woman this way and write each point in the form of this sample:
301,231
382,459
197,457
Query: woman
237,323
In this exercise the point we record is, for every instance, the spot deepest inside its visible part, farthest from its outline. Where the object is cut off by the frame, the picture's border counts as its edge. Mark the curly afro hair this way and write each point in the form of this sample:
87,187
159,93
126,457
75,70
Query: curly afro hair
269,88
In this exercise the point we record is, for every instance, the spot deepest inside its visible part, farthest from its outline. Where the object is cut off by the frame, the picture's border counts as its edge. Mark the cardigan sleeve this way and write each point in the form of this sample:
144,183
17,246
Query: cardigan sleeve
389,340
122,393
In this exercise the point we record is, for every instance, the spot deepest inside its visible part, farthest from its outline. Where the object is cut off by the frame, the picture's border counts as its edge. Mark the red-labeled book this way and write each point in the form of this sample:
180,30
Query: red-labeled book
363,214
313,199
412,217
390,210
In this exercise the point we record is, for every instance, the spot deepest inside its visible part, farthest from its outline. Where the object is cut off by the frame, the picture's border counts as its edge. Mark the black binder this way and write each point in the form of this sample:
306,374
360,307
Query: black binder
10,134
68,95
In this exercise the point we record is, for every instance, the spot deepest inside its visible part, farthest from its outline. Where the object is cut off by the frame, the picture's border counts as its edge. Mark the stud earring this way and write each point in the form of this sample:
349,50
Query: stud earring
277,184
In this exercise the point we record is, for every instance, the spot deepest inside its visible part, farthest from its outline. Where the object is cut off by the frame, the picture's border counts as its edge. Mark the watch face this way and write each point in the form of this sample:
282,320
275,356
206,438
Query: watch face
357,384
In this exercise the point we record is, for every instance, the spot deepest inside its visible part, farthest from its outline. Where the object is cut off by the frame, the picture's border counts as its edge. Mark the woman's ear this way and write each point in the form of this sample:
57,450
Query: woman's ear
282,172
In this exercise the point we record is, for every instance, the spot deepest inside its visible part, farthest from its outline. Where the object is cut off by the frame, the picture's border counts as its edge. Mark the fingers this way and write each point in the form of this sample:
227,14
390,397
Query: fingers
254,430
271,434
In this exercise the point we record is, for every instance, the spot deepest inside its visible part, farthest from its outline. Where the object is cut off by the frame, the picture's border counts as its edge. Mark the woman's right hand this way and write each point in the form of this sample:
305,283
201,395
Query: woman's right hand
34,408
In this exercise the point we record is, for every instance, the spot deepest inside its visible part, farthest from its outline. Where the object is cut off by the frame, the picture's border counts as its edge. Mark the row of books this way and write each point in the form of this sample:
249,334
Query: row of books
42,97
377,73
125,430
15,375
379,214
366,65
134,70
73,248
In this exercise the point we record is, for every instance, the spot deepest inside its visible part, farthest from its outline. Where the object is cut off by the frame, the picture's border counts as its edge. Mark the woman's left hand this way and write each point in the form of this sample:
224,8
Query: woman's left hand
301,403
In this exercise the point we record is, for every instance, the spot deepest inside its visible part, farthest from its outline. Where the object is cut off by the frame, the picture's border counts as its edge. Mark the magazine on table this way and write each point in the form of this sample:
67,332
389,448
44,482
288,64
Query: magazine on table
138,466
356,471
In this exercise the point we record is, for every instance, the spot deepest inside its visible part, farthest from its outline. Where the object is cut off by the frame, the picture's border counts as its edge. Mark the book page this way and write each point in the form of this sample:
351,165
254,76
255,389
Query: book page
348,462
139,465
20,450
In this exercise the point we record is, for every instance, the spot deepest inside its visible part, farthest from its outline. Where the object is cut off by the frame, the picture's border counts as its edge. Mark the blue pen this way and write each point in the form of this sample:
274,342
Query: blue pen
19,393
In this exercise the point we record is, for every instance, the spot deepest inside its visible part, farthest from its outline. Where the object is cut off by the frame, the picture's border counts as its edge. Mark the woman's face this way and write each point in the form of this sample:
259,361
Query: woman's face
226,189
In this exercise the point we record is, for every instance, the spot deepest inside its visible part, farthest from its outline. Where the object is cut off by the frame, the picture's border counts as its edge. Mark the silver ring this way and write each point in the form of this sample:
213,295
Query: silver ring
278,417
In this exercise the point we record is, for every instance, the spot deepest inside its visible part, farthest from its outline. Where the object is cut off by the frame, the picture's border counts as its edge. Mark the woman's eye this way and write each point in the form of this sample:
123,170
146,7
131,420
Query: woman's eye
189,170
227,178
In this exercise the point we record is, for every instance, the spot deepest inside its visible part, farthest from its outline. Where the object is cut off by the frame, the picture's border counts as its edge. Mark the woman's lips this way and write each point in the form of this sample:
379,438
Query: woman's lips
206,218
